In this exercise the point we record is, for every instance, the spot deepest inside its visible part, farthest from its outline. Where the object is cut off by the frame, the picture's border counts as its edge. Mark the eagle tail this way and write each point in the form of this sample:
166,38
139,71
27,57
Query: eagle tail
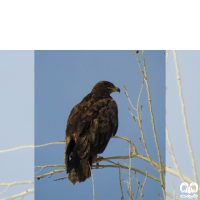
81,172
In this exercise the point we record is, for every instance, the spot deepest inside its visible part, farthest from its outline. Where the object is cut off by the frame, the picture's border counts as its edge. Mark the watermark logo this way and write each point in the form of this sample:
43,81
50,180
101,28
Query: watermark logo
186,188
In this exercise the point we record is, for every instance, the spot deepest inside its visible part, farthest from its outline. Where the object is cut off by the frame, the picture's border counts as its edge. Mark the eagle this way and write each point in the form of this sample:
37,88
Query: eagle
90,126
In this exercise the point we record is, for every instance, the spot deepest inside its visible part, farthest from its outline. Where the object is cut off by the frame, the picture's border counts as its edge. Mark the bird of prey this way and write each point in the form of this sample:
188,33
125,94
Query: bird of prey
90,126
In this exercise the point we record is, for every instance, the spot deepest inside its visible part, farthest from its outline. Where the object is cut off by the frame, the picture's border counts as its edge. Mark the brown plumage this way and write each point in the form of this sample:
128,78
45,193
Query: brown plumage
90,126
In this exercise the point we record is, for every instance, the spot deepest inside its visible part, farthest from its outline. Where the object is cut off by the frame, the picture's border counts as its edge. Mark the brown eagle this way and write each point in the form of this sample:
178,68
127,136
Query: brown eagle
90,126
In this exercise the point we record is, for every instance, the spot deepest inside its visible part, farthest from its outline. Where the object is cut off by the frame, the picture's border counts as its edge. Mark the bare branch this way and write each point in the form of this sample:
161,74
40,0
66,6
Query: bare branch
23,194
128,140
166,56
92,182
43,167
126,93
30,146
120,184
153,125
185,118
9,185
172,154
50,173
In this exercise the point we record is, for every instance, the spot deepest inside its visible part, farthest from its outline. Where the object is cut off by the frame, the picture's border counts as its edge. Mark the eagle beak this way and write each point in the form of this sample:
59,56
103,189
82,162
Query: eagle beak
116,89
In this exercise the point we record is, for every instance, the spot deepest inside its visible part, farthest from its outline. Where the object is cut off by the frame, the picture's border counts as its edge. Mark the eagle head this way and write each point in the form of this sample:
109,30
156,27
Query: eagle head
105,87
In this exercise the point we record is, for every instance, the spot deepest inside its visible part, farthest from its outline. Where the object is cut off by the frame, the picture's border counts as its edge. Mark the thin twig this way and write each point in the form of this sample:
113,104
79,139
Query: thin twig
138,188
51,173
92,182
142,187
23,194
9,185
159,196
168,151
43,167
141,143
128,140
173,156
120,184
126,93
30,146
174,191
140,93
166,56
129,175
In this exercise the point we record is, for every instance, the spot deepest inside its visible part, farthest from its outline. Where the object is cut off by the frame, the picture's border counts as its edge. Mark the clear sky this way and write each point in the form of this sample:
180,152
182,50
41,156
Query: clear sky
62,79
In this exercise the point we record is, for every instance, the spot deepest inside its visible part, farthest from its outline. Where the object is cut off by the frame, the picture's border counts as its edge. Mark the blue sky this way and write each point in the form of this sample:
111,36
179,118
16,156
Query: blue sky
62,79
